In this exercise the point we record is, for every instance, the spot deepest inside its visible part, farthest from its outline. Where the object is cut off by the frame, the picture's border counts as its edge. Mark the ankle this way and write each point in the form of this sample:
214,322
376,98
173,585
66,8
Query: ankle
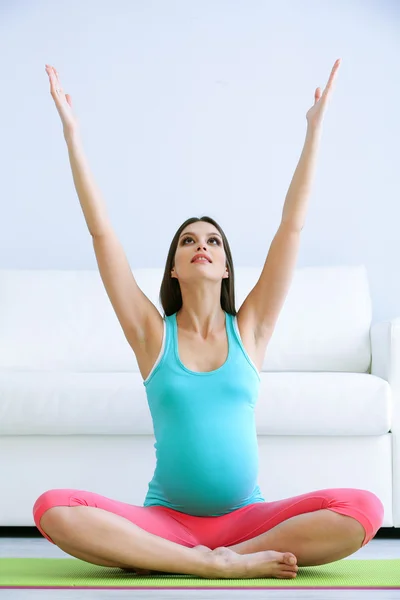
211,565
223,563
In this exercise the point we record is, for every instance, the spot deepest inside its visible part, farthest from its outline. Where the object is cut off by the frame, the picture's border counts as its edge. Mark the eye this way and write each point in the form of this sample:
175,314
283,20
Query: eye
211,238
216,239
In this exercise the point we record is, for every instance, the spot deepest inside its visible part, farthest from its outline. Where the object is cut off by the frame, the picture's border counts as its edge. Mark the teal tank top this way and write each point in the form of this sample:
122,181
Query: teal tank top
204,427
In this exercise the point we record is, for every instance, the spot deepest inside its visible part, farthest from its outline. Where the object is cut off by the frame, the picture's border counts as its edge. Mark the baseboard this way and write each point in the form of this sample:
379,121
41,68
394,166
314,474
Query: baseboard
33,532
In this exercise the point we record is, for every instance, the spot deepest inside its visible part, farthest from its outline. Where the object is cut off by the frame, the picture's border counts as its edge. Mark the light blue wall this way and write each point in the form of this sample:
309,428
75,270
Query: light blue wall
198,107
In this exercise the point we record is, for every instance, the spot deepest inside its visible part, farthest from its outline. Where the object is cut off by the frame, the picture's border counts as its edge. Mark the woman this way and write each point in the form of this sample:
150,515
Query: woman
204,513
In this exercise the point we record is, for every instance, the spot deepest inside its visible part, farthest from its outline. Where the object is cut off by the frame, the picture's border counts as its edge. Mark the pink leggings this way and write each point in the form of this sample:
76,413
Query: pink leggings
235,527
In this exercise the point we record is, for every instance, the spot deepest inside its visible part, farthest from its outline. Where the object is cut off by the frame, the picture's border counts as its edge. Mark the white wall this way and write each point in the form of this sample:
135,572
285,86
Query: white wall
198,107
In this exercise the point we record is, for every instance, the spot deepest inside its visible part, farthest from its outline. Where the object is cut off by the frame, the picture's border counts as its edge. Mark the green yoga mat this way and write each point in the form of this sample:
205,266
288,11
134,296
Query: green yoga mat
73,573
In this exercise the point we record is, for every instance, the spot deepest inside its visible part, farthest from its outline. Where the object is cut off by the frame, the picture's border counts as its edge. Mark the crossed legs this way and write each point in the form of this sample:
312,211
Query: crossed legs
318,528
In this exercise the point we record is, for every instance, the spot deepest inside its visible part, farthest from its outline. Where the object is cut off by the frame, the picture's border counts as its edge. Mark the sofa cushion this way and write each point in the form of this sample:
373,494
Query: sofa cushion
63,321
47,403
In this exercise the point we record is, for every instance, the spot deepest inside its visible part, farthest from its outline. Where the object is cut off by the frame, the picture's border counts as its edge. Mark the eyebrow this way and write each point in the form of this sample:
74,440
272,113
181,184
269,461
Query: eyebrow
191,233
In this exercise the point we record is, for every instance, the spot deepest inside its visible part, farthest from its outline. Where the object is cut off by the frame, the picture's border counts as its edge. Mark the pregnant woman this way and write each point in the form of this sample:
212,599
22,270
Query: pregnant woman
204,513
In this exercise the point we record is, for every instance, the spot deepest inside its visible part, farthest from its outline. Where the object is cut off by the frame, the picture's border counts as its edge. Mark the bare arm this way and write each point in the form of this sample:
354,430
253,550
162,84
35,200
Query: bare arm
92,203
135,312
89,195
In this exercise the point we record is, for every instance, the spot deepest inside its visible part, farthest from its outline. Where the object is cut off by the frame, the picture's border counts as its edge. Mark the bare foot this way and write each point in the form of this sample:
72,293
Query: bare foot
230,565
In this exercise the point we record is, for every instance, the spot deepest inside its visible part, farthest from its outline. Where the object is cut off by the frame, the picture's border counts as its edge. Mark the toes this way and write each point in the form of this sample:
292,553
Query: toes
289,558
288,569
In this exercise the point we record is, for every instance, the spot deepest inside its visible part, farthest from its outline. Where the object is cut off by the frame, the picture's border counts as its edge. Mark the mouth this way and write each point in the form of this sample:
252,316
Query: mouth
201,260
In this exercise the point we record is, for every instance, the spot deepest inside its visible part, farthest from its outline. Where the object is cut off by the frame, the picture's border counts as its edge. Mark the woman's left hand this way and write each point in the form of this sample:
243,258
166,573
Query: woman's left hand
315,115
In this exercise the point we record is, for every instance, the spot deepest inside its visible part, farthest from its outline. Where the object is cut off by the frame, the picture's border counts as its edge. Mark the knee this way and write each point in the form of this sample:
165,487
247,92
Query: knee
49,510
372,506
55,521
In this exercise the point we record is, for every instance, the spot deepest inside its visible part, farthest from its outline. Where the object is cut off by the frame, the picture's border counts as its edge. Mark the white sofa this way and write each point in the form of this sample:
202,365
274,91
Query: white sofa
73,408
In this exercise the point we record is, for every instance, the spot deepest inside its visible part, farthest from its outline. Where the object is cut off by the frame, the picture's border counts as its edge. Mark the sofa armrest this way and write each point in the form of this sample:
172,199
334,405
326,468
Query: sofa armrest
385,349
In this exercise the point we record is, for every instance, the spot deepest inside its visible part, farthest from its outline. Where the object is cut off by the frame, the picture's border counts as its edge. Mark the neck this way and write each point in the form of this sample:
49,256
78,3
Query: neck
202,322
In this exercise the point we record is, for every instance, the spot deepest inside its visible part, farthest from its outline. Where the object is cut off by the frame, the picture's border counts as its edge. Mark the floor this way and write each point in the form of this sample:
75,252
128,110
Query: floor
384,545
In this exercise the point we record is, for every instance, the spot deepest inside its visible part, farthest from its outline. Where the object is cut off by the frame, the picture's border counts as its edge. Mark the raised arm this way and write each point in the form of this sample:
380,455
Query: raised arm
135,312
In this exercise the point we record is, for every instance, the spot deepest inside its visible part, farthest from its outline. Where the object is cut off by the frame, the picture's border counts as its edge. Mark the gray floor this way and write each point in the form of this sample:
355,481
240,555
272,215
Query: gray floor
40,547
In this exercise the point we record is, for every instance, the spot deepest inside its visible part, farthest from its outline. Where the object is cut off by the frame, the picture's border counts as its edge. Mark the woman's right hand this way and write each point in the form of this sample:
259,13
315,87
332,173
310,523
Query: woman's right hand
62,101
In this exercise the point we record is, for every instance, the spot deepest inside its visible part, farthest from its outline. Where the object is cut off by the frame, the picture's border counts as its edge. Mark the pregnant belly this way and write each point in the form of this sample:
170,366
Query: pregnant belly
207,480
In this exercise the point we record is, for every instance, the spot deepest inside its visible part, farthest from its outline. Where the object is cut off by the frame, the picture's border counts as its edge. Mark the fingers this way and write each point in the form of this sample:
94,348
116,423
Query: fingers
55,83
58,80
334,71
51,74
331,79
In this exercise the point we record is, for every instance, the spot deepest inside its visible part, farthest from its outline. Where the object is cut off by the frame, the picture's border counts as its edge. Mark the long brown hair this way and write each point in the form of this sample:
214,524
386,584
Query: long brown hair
170,292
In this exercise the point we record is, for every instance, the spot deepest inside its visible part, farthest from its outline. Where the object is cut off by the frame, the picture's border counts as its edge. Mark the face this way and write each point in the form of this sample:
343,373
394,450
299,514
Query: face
200,237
